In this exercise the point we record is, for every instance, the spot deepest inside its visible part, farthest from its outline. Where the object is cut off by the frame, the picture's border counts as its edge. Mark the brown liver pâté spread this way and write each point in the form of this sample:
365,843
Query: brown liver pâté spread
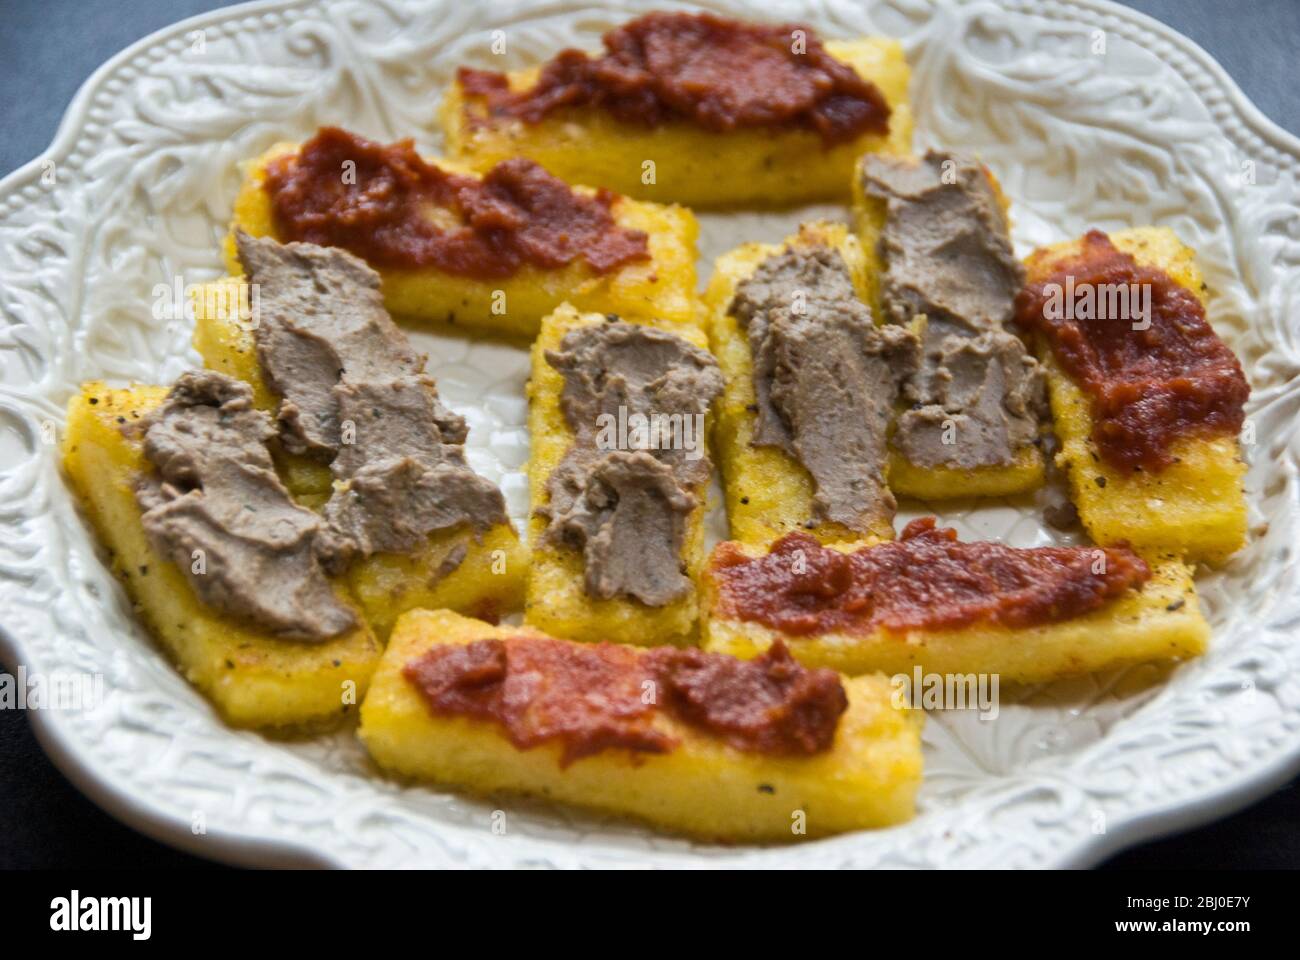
716,73
825,379
926,580
977,395
594,697
626,509
482,229
354,392
1147,387
216,509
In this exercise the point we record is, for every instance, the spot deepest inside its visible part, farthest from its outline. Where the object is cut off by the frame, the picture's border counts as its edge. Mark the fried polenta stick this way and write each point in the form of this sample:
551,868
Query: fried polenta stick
1158,619
1195,505
702,786
558,602
253,680
769,493
663,285
489,578
691,164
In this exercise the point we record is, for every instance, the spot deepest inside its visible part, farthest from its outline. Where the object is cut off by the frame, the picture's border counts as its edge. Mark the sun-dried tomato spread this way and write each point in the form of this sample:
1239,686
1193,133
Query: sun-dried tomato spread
1147,387
927,579
592,697
391,208
770,704
719,74
588,697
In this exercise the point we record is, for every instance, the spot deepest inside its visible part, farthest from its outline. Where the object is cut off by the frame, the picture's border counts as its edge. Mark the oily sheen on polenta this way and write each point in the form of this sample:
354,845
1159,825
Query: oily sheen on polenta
1195,506
769,493
691,165
663,286
1161,621
252,679
556,600
487,582
703,787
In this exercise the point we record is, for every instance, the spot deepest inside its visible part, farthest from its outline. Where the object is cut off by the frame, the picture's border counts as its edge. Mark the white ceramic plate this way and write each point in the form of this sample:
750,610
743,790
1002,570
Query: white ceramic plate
1090,114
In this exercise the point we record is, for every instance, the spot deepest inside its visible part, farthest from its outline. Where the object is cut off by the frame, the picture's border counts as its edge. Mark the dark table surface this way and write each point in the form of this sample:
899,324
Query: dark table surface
48,47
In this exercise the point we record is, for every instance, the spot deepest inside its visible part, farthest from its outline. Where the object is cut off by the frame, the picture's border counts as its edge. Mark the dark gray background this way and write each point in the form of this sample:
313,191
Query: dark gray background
48,47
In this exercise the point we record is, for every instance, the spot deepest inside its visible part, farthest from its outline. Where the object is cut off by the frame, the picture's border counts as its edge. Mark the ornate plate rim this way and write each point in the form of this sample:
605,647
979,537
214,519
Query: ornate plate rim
264,849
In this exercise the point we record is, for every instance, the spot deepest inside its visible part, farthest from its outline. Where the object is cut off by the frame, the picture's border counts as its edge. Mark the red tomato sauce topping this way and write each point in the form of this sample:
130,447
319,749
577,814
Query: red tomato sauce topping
771,704
926,580
1147,387
383,204
593,697
719,74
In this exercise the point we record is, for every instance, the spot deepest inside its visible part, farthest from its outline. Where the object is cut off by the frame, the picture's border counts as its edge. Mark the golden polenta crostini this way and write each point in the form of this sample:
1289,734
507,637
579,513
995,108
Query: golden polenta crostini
495,252
1147,401
693,109
642,732
811,384
618,475
928,600
935,233
301,655
363,436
